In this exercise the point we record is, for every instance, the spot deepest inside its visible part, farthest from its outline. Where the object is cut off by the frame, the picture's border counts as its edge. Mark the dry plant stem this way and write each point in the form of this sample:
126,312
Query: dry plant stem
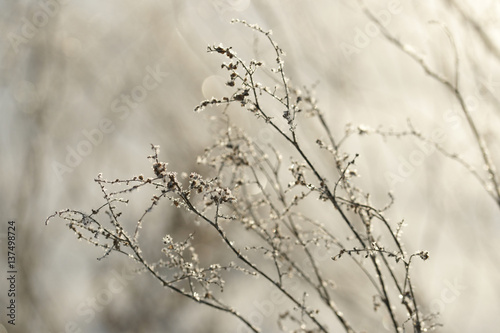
373,258
323,292
331,197
238,253
382,293
136,255
320,286
333,200
241,257
454,89
381,252
191,296
270,215
412,131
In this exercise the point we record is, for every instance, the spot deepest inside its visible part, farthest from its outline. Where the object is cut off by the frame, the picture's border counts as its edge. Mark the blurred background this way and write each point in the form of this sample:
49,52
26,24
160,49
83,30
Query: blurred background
67,68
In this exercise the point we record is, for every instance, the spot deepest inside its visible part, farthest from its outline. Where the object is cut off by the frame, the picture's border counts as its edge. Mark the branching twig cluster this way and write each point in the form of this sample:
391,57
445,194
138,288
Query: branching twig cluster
252,190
